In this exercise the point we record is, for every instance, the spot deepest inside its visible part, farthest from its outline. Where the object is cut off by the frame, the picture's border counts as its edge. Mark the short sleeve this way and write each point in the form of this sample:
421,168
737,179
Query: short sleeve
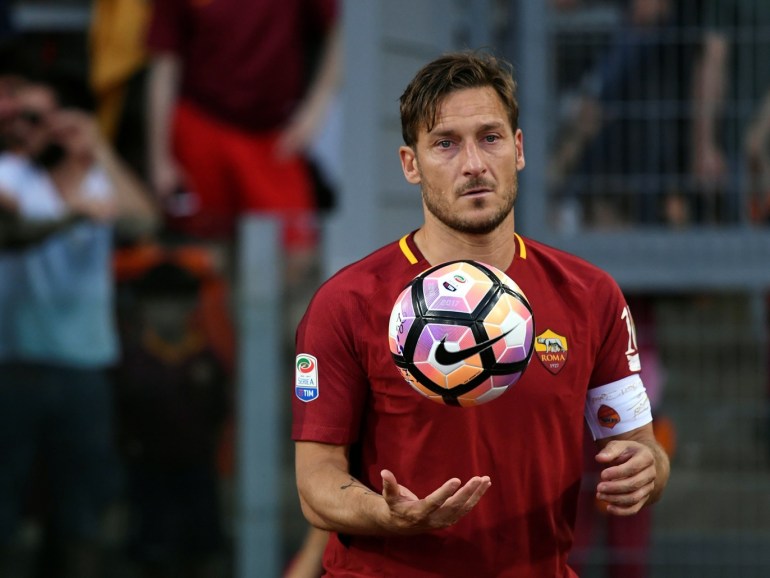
618,353
326,342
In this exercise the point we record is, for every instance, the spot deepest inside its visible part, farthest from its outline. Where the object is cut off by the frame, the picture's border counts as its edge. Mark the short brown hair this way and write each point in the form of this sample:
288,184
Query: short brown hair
455,71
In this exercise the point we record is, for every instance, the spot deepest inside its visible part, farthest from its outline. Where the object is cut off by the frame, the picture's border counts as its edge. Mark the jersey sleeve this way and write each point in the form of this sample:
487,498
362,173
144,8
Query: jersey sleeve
330,409
617,355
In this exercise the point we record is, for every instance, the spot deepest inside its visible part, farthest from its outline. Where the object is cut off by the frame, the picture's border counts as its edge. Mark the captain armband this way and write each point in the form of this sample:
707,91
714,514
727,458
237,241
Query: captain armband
618,407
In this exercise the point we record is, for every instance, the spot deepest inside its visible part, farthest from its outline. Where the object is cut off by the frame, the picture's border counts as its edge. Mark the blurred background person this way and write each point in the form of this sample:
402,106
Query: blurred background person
57,336
173,395
238,93
731,82
621,156
757,145
117,75
232,111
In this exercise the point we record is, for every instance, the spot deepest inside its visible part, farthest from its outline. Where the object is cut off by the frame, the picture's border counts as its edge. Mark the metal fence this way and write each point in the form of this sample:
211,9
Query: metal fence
659,112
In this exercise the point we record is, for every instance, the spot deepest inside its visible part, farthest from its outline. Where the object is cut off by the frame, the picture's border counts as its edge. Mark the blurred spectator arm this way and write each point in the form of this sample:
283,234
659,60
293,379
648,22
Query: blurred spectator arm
7,203
308,562
709,88
130,203
582,127
133,204
757,137
163,88
311,113
18,233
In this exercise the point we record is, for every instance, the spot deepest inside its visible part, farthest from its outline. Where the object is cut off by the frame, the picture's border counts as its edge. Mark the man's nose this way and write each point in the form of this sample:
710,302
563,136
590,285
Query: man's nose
473,162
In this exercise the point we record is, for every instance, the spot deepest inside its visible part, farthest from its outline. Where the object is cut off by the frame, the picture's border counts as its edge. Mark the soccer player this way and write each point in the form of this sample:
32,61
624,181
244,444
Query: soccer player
411,488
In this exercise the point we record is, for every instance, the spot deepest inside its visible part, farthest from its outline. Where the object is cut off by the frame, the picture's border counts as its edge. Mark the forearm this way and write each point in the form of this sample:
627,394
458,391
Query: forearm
760,128
709,85
331,498
308,561
132,199
8,204
17,234
327,80
662,470
162,93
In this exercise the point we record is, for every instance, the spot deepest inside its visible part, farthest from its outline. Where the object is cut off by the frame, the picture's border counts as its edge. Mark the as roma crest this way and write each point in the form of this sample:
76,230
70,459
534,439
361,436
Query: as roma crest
552,350
608,417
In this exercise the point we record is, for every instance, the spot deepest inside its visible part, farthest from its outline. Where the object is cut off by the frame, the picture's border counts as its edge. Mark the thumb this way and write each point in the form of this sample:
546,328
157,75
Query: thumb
610,452
389,485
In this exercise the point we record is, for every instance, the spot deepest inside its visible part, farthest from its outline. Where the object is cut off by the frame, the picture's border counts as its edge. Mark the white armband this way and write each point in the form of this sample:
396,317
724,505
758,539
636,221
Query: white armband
618,407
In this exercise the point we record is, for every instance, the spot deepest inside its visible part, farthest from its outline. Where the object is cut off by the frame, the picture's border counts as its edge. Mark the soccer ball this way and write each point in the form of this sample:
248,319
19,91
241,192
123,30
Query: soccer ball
461,333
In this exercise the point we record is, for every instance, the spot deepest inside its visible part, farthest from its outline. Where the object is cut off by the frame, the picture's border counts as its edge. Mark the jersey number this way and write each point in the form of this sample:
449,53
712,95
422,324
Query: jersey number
632,345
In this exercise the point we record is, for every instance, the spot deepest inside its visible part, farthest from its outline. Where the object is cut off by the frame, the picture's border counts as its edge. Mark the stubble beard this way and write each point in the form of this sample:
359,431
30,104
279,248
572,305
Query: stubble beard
437,205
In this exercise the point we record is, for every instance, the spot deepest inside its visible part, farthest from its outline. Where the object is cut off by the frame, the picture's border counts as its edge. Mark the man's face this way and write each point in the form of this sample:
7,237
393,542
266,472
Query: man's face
30,130
467,165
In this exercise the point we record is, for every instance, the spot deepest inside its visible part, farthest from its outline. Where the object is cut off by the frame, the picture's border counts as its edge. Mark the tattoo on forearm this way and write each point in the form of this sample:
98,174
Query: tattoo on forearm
354,483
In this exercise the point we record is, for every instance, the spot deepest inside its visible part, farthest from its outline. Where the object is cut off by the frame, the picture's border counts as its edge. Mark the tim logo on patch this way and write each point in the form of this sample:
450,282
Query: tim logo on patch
306,377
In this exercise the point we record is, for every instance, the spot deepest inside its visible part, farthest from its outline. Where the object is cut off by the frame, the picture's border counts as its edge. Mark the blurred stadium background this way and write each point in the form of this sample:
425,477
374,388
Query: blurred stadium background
606,114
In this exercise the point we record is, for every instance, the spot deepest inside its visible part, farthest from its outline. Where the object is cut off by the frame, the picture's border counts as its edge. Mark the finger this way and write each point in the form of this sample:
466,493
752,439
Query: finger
465,498
634,466
623,510
389,485
629,500
611,452
626,486
439,497
469,496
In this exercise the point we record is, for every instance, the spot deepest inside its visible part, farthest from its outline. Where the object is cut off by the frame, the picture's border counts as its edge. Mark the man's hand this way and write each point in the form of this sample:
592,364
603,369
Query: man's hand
165,177
444,507
302,127
628,481
709,165
78,133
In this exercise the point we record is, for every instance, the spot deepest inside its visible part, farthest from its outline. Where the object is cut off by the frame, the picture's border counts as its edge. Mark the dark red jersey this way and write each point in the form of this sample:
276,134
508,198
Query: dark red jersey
529,440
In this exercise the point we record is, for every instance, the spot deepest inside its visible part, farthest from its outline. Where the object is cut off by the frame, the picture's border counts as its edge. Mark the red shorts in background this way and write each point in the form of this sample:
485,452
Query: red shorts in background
231,173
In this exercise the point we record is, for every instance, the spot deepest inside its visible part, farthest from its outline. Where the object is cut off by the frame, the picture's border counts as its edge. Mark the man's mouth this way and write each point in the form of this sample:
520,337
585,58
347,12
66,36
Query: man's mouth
475,191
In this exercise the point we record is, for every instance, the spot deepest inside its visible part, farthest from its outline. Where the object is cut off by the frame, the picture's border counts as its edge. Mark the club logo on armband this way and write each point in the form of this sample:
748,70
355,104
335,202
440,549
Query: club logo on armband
608,417
306,377
551,349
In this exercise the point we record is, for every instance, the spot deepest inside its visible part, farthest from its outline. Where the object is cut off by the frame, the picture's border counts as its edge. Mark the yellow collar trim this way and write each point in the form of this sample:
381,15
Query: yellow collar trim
522,246
412,259
406,250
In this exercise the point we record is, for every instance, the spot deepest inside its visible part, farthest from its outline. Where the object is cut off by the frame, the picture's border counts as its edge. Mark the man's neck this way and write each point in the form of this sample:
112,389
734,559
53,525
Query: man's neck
439,244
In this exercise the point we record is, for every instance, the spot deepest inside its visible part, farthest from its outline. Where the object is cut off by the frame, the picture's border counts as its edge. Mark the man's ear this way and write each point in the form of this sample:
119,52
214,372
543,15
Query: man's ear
519,142
409,164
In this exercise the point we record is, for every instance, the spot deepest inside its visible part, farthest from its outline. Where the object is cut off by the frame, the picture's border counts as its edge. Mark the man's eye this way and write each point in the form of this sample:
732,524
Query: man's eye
491,138
444,144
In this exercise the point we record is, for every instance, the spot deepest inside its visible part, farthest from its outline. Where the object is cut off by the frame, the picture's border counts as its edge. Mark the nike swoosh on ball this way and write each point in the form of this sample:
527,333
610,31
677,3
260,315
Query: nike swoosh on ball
445,357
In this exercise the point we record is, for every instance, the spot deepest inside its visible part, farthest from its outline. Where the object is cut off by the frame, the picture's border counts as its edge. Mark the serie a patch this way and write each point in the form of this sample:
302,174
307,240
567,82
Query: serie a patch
306,377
